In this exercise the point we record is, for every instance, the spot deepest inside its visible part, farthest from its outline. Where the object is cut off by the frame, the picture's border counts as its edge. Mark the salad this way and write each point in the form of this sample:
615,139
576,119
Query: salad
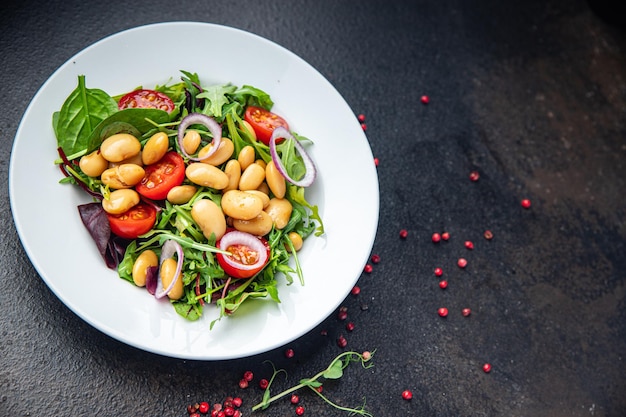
198,190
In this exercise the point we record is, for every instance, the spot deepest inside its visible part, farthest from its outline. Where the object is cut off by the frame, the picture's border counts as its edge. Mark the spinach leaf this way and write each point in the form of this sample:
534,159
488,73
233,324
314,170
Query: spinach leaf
80,114
134,121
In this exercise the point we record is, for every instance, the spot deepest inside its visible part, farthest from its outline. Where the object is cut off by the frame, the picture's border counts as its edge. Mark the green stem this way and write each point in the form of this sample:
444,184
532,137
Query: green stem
305,383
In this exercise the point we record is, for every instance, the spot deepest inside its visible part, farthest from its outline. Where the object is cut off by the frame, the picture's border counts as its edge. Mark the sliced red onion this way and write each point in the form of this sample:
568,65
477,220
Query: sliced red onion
236,237
310,173
170,248
204,120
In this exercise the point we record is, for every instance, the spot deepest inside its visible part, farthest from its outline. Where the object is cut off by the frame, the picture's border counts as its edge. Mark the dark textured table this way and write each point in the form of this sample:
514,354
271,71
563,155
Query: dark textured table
530,95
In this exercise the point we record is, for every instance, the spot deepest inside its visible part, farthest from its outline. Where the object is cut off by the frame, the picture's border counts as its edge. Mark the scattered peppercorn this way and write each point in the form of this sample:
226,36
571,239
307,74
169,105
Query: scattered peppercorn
243,384
487,368
466,312
294,399
350,326
263,383
526,203
445,235
203,407
375,258
299,410
443,312
248,376
342,342
436,237
425,100
443,284
488,234
407,395
356,290
474,176
404,233
368,269
462,262
376,161
289,353
469,245
361,117
438,272
363,126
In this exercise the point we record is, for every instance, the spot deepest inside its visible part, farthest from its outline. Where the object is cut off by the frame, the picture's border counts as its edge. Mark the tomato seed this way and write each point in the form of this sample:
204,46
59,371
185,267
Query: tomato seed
466,312
407,395
361,117
526,203
445,235
438,272
436,237
443,312
469,245
474,176
294,399
425,100
368,269
356,290
299,410
488,234
443,284
289,353
487,368
375,259
462,262
404,233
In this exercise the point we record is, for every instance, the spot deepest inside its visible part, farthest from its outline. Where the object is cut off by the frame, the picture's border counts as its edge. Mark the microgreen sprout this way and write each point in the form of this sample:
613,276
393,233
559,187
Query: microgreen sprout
333,371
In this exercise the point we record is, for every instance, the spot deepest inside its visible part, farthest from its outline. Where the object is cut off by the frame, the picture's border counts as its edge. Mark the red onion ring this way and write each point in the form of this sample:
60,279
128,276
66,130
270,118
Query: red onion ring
310,173
169,248
209,123
236,237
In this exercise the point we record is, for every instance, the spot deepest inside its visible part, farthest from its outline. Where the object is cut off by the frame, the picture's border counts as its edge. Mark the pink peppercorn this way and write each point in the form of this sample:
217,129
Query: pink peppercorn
404,233
462,262
425,100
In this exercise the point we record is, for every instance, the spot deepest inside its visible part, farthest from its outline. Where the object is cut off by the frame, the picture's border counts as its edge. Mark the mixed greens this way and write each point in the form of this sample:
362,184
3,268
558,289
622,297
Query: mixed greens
89,117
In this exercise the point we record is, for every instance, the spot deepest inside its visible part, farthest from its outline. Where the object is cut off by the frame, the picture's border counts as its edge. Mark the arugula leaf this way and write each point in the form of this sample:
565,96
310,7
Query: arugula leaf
81,112
216,97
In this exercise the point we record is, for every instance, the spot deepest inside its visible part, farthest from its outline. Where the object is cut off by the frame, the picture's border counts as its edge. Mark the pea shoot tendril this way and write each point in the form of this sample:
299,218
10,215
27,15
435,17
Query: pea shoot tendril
333,371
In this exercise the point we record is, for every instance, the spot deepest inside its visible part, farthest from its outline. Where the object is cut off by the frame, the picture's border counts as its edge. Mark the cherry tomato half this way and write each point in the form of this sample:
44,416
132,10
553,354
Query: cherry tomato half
264,122
249,254
162,176
134,222
146,99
